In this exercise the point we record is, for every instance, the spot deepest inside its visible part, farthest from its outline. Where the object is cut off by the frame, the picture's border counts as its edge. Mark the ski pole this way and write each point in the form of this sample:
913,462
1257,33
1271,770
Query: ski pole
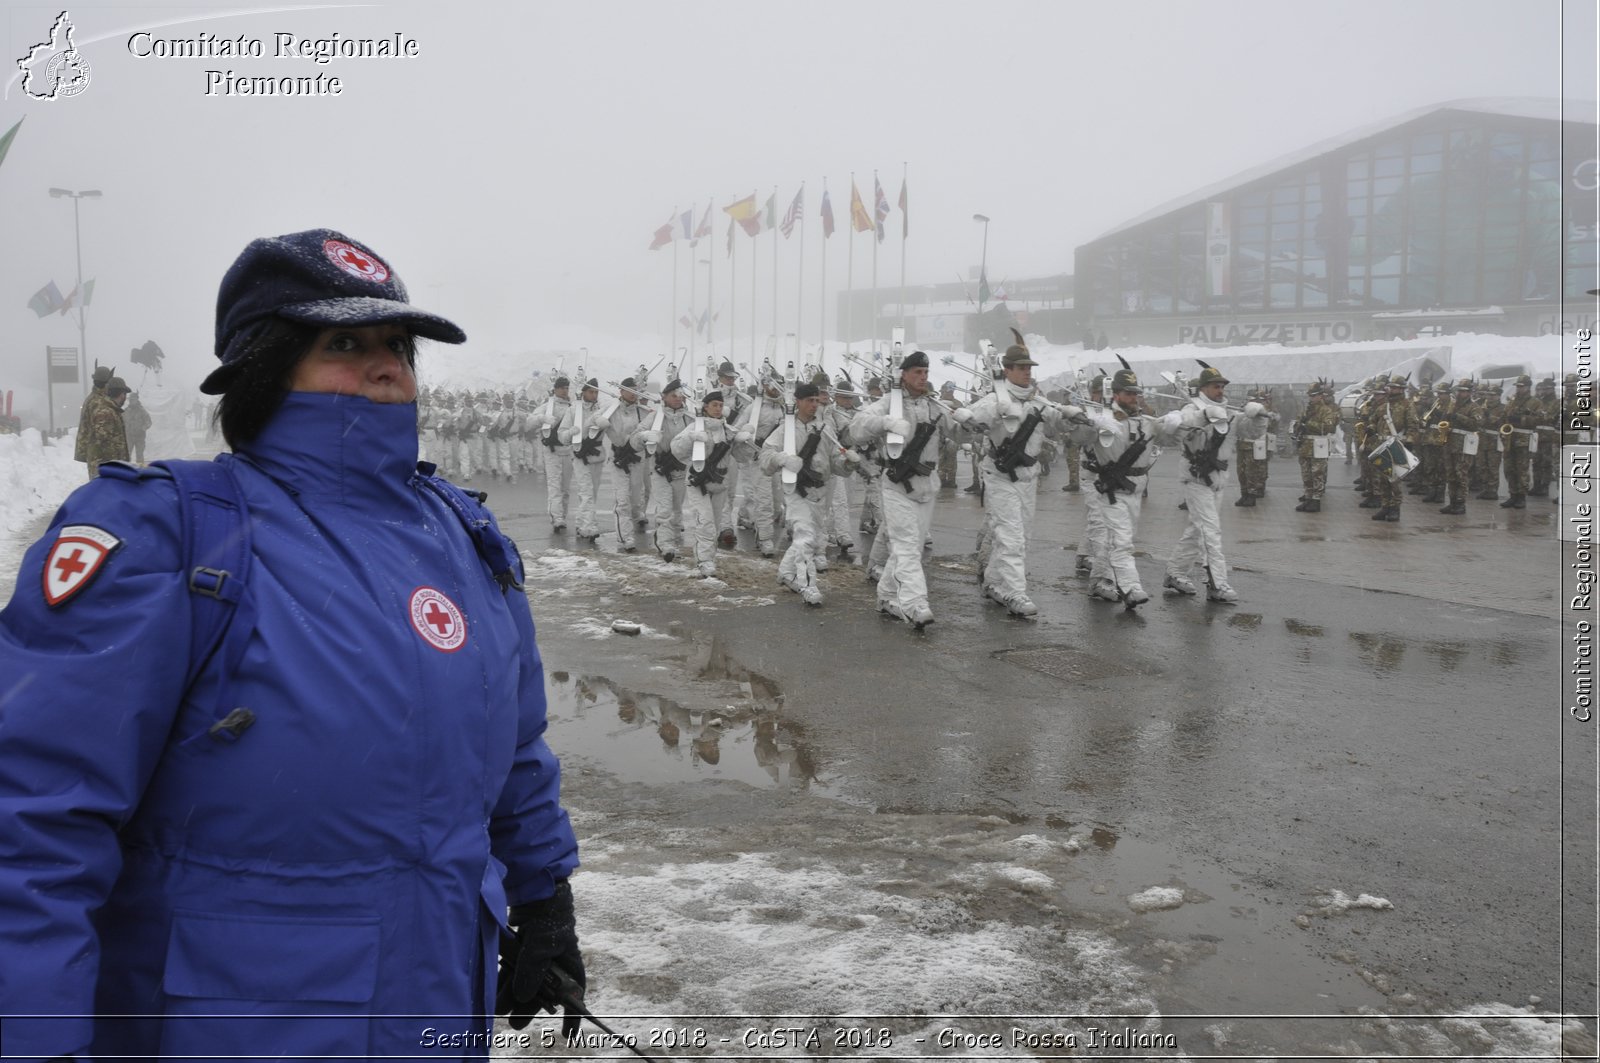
560,984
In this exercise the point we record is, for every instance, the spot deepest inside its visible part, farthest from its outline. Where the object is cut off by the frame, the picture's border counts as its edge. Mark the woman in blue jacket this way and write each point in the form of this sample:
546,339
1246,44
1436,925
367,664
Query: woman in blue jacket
317,829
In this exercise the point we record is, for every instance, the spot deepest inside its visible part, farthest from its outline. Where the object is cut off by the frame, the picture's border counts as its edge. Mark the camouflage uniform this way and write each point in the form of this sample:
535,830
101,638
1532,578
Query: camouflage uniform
1368,407
1549,436
1432,448
1321,418
1464,416
1392,415
1489,445
101,435
949,444
1253,470
1523,413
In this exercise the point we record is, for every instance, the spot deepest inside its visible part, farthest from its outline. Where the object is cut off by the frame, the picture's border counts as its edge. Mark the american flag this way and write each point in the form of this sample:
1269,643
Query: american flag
792,215
880,207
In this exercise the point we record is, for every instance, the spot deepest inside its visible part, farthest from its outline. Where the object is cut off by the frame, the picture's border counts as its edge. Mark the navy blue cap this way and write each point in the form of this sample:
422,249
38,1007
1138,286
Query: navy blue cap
710,397
806,391
915,360
317,277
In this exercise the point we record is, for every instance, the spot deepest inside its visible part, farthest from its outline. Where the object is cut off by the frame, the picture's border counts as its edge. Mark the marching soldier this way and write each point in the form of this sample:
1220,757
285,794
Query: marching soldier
1252,455
466,430
628,484
588,455
668,473
760,419
1013,420
839,502
499,439
1364,437
1462,451
740,473
1524,414
1432,443
557,462
949,446
906,489
1120,444
1205,424
815,460
707,488
1315,432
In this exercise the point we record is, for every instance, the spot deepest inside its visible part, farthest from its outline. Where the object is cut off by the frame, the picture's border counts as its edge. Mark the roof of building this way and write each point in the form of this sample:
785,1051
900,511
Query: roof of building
1553,110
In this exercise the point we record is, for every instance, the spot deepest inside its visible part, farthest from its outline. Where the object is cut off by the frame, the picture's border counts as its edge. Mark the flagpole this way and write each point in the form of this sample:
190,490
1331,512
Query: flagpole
905,228
694,317
850,267
674,286
800,272
875,241
711,288
753,367
770,214
733,290
822,289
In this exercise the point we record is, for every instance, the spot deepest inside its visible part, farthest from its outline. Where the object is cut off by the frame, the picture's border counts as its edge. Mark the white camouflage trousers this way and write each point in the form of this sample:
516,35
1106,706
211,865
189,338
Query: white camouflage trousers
804,518
1003,552
1201,542
702,519
905,525
557,483
666,511
629,489
587,476
1120,520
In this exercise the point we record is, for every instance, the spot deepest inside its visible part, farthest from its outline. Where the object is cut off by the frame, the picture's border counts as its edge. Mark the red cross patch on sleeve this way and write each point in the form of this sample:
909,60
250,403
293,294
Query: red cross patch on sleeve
80,551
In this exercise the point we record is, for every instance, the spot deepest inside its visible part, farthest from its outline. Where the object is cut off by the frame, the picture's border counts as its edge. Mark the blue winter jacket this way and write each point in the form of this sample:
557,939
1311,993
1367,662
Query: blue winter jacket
335,878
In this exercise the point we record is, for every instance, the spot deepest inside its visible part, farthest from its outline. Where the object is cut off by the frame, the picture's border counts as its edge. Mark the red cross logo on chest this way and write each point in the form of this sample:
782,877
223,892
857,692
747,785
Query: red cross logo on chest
438,620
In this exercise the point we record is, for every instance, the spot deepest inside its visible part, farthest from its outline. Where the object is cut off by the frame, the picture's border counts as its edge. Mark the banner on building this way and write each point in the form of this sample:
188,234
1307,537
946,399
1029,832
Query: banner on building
1219,250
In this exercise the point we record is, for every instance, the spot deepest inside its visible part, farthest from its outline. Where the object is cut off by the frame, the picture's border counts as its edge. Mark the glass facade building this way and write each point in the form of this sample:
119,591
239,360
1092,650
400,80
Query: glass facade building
1455,207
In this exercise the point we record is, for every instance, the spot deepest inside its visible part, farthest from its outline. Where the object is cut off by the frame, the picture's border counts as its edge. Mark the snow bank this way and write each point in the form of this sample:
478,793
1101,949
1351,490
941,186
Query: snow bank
36,475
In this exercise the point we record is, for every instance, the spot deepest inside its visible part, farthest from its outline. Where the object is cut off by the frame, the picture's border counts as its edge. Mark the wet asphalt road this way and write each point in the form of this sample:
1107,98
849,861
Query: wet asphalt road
1381,713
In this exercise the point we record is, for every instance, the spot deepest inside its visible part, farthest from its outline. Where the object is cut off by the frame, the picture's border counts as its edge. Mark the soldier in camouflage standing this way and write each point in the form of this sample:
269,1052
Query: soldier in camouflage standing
102,376
1489,444
1251,456
1461,451
1549,437
1314,431
103,436
1524,414
1392,417
1432,408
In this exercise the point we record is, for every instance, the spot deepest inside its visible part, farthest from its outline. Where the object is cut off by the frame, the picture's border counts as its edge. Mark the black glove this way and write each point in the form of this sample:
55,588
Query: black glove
542,968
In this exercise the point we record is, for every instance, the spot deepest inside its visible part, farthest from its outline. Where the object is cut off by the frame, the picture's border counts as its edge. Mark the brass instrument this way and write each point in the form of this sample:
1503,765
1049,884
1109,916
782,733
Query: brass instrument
1506,429
1443,428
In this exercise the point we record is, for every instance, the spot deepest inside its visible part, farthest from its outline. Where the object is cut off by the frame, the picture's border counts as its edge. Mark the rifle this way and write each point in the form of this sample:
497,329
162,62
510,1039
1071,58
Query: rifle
1205,461
806,478
908,464
624,456
1113,477
788,421
713,471
1012,455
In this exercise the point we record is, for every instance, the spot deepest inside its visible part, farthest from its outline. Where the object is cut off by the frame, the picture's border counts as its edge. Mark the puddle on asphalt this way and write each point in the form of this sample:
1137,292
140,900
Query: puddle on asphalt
1385,652
643,737
1299,627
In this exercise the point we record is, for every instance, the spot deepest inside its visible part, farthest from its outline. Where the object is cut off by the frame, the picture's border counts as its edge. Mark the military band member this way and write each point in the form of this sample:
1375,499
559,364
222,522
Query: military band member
1490,444
1315,432
1392,419
1549,437
1462,450
1524,414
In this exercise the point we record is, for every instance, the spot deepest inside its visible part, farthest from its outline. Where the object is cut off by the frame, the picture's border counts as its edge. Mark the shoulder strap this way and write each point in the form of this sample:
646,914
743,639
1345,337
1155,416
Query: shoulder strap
494,546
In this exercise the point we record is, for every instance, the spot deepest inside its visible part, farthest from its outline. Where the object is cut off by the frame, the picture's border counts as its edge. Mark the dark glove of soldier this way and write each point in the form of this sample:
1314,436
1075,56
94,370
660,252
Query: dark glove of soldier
541,969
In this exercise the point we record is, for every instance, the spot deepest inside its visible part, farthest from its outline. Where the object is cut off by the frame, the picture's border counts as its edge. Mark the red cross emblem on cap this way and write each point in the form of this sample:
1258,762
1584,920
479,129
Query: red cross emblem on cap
76,558
356,262
438,620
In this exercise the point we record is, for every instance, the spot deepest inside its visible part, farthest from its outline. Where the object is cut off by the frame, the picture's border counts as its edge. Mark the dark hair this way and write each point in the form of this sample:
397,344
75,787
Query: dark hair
257,387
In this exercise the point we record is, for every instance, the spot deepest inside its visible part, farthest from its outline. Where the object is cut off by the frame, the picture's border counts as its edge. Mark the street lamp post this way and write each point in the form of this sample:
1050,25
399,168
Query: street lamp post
983,263
77,240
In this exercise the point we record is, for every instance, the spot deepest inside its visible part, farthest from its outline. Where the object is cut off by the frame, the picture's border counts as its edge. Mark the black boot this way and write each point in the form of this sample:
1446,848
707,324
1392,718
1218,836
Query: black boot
1518,501
1392,514
1540,491
1455,509
1382,514
1246,500
1313,505
1370,502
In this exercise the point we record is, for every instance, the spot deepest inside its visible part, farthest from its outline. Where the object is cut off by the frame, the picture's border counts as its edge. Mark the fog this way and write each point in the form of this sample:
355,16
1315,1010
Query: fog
515,169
